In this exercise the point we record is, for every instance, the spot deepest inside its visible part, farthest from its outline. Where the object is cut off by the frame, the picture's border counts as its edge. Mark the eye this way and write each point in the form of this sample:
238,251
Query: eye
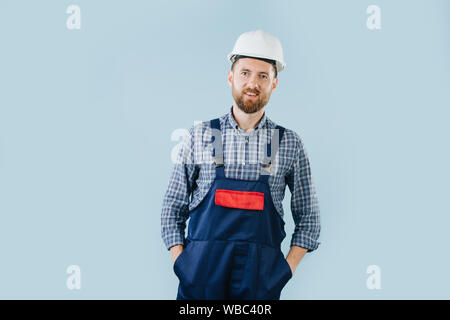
243,73
264,76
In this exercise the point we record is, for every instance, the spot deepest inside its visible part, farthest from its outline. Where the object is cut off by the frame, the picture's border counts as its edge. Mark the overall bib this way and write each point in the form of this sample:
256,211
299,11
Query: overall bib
233,247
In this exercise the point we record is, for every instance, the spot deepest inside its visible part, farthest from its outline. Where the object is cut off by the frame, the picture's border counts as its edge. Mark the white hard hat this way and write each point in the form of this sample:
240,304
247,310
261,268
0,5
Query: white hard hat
259,44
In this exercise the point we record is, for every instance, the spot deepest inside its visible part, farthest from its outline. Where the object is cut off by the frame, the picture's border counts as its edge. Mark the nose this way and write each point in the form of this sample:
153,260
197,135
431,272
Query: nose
253,83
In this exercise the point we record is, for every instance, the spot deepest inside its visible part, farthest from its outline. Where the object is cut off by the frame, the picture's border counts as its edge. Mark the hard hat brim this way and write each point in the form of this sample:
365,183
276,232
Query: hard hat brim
279,64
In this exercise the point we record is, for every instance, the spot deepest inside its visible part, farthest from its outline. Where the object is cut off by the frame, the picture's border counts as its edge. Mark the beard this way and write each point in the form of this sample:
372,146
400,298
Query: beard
250,105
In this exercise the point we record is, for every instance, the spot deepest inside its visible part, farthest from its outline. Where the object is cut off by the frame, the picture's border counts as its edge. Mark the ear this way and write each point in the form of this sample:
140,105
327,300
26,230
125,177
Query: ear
230,77
274,83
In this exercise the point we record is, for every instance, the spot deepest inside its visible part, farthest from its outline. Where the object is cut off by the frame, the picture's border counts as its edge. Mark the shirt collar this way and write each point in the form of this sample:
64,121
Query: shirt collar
234,124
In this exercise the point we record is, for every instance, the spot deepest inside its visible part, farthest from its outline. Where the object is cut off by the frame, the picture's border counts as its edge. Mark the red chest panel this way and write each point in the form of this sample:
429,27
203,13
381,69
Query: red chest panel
240,199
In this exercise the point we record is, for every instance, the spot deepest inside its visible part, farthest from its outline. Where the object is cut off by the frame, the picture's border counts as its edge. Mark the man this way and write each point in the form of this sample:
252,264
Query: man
232,190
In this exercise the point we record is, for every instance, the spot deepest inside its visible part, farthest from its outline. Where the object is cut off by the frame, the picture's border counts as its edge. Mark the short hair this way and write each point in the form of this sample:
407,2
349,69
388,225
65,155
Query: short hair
272,62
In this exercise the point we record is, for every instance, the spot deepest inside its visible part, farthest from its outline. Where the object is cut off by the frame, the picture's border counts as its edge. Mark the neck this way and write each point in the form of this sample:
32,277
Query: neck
247,121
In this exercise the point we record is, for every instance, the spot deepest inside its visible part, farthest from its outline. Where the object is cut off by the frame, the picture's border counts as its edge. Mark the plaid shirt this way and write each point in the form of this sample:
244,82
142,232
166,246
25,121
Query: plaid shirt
194,172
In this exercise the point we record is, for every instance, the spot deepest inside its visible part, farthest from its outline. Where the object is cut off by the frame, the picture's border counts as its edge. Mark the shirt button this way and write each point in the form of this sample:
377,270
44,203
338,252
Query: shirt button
243,163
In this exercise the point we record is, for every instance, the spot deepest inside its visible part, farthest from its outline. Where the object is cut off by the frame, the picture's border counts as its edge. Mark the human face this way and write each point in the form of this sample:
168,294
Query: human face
252,82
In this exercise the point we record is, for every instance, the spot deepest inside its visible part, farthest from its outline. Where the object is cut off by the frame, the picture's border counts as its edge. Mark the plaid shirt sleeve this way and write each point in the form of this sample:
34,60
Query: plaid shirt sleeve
175,208
304,203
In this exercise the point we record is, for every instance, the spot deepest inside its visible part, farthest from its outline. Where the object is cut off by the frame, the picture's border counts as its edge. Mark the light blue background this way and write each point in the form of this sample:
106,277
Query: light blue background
86,118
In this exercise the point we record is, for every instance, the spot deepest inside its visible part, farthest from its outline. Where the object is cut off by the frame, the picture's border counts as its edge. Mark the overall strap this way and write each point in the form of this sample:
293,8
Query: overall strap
216,139
266,163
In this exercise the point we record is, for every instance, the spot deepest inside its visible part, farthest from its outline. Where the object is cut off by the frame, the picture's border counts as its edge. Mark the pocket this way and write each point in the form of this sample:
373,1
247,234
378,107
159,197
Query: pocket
178,260
250,200
286,273
179,257
191,265
274,272
288,267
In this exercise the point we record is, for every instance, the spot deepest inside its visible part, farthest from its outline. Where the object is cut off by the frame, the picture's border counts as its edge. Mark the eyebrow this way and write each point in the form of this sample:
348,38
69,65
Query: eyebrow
245,69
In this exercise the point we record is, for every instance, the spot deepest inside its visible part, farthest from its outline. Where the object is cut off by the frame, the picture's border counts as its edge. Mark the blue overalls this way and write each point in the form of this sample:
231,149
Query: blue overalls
233,248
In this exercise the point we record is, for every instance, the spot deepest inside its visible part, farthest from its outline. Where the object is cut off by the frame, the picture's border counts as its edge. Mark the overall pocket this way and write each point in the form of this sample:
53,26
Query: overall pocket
274,273
288,271
178,261
250,200
190,266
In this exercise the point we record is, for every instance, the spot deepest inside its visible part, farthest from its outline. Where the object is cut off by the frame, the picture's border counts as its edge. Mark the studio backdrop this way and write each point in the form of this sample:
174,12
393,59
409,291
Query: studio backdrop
96,97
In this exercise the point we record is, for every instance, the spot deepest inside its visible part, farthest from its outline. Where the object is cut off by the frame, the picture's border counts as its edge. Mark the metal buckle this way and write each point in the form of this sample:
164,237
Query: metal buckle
266,166
218,160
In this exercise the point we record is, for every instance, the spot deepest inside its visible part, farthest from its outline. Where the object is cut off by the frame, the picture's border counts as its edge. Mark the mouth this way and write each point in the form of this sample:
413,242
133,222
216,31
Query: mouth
251,94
